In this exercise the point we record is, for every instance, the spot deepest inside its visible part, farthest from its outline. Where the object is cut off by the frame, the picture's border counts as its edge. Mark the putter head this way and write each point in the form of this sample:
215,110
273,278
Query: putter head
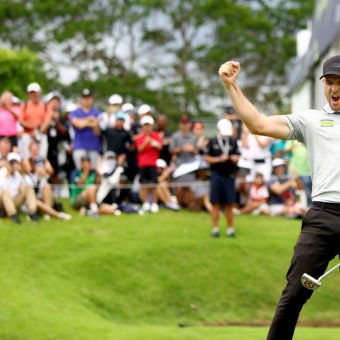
310,282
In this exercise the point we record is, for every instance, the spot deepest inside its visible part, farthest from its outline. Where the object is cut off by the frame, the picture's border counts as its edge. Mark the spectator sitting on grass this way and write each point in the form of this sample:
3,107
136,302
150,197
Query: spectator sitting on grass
14,191
163,186
258,197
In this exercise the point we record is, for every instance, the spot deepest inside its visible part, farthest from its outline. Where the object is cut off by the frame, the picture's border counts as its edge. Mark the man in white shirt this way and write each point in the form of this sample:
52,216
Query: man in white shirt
14,192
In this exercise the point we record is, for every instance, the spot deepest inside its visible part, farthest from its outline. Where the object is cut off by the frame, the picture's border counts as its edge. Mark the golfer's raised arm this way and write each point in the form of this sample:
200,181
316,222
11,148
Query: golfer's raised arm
274,126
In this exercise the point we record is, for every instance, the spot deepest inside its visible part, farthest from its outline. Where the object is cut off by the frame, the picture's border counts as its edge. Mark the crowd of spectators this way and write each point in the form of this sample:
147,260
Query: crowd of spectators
126,160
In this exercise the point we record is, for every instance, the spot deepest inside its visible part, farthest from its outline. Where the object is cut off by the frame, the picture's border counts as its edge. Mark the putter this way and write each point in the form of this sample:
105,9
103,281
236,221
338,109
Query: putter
311,283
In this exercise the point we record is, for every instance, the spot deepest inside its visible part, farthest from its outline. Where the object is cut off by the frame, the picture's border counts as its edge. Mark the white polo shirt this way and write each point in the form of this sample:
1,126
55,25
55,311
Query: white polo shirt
11,182
319,130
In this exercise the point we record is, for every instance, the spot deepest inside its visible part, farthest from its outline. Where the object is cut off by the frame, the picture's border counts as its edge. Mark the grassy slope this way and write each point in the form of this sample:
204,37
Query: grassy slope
128,275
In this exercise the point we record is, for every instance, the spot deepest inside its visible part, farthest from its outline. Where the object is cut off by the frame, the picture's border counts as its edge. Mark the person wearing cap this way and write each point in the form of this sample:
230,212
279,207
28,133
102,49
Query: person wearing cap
183,148
166,135
14,191
108,118
279,185
319,130
222,154
86,124
129,110
56,133
136,127
9,117
148,145
35,118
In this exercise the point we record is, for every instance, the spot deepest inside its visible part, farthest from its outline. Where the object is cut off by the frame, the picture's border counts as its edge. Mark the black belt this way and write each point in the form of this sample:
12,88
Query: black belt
260,161
327,205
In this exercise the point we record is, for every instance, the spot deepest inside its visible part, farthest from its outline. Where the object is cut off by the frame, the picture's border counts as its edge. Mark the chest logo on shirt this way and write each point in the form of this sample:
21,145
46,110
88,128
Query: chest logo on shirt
327,122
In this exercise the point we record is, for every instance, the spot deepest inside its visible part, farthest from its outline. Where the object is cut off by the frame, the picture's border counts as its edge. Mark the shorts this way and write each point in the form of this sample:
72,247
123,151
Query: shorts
222,189
80,202
148,174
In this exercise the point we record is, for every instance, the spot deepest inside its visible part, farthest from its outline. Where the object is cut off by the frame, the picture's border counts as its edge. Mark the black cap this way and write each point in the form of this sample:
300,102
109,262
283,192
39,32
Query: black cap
85,158
331,66
86,93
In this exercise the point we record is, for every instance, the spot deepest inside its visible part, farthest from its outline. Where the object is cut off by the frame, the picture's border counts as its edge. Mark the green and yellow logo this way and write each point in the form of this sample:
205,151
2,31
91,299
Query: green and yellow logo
326,122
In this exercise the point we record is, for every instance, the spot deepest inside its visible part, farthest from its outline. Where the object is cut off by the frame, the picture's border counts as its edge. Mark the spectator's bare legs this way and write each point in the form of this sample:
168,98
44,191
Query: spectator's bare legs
249,207
143,194
228,210
47,194
207,203
90,194
215,213
184,195
47,209
163,193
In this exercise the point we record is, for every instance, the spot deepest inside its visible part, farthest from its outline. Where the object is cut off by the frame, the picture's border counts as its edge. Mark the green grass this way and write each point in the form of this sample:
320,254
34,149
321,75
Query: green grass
133,277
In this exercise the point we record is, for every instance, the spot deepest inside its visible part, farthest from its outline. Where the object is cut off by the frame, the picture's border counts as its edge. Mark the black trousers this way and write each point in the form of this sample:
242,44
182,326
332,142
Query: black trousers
318,243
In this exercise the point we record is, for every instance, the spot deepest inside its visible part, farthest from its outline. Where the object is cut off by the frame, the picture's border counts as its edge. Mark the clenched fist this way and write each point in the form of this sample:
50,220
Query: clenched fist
229,72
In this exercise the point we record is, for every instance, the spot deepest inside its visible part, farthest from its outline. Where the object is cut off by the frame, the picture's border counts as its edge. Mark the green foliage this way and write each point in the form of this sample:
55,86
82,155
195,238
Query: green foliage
18,69
177,44
133,277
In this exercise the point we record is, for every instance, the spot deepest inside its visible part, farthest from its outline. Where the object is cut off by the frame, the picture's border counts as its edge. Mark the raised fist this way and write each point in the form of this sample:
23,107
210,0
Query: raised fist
229,71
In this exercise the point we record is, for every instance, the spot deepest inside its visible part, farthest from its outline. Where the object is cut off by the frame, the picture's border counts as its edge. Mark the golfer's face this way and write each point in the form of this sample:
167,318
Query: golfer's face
332,91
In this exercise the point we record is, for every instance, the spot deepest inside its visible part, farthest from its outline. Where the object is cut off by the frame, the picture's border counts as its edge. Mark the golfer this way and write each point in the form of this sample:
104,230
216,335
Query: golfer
319,240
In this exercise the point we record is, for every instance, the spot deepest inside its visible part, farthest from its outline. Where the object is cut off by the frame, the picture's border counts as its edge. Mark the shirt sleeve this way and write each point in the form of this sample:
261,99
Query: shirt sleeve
296,124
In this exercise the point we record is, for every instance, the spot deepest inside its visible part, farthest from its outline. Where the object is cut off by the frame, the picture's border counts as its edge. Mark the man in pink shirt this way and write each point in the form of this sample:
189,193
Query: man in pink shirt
35,118
9,116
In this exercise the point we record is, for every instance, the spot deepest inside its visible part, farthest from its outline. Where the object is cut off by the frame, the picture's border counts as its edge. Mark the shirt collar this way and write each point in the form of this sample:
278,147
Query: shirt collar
328,109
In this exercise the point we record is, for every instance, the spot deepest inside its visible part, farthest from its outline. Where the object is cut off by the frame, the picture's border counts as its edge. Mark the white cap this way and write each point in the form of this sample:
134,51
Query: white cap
161,163
224,127
52,95
115,99
147,120
71,107
13,156
128,108
143,109
15,100
243,163
278,162
33,87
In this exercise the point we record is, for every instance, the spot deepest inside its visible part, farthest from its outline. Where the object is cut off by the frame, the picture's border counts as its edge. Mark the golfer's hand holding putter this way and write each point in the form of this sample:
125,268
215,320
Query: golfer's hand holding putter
319,239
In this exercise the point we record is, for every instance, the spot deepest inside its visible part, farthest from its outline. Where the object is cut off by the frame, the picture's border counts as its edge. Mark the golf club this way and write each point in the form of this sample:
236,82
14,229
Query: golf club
311,283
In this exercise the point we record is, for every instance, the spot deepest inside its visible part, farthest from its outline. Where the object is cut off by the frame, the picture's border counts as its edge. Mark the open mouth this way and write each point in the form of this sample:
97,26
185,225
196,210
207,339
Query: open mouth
336,98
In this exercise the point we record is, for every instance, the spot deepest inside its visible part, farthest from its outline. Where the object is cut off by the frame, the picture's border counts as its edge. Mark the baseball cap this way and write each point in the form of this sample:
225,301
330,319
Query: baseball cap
33,87
185,119
147,120
278,162
128,108
86,93
115,99
161,163
331,66
13,156
52,95
230,110
85,158
224,126
120,115
16,100
143,109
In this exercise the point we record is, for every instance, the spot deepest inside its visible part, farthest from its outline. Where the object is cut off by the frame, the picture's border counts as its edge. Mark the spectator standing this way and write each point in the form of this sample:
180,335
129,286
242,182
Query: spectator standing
35,118
129,110
202,141
298,165
161,128
148,145
9,117
108,118
14,192
184,148
256,149
56,133
87,130
222,154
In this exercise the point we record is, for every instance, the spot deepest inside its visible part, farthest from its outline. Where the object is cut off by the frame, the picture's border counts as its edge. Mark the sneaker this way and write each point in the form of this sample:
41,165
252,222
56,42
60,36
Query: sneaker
117,212
94,215
47,217
215,234
33,217
236,211
146,206
16,219
154,208
172,206
64,216
230,233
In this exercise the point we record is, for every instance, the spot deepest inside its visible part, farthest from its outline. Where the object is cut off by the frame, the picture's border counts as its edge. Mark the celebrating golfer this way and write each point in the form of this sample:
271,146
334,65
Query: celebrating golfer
319,240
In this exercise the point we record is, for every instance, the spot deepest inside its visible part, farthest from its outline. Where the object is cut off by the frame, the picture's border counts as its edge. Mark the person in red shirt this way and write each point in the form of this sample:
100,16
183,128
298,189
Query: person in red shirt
35,118
148,145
